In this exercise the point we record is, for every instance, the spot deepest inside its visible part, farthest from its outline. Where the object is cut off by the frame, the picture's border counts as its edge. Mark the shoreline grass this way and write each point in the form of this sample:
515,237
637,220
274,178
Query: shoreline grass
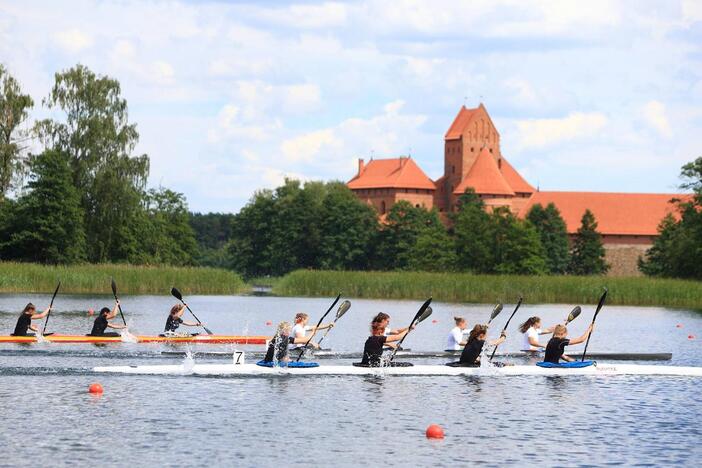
131,279
464,287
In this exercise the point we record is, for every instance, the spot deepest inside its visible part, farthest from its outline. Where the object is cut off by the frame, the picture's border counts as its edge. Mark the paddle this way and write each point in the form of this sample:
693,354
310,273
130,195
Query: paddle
573,314
302,350
421,315
179,296
519,303
343,308
594,317
43,330
495,312
119,306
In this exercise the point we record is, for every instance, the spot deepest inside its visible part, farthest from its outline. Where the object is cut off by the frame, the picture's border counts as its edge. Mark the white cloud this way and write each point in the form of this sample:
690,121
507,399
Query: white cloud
307,147
535,133
301,98
73,40
654,113
325,15
524,93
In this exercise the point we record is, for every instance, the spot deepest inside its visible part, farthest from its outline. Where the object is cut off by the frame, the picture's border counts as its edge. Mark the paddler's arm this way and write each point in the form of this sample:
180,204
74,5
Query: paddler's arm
500,340
303,340
33,328
41,315
581,339
534,342
116,327
113,314
192,324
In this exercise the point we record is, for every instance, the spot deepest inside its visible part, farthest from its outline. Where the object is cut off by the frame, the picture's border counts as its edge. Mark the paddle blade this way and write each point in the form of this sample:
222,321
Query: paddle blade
114,287
176,293
496,311
425,315
573,314
601,303
421,310
343,308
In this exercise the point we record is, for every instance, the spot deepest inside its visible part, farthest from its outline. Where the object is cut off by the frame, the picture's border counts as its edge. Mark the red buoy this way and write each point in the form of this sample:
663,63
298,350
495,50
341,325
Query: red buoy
678,325
269,323
90,312
434,321
690,337
434,431
95,388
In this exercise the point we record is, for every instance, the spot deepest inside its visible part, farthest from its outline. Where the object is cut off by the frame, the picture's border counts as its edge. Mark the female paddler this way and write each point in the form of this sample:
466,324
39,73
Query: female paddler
24,322
102,322
277,351
470,357
373,348
299,331
174,319
531,329
456,340
556,345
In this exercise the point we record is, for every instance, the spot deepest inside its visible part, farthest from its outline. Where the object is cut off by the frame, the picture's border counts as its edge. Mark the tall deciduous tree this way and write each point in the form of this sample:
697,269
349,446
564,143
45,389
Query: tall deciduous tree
518,249
553,234
588,254
47,223
14,112
474,233
99,139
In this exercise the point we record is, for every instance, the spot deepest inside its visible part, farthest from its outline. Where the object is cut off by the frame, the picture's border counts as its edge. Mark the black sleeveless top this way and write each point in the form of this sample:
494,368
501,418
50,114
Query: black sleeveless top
373,350
23,323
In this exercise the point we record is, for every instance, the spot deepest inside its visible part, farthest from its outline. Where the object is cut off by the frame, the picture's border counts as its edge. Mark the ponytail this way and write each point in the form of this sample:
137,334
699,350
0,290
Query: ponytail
476,332
529,323
459,320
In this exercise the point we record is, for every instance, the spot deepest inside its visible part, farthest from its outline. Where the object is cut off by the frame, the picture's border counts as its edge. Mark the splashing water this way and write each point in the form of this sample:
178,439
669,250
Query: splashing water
127,337
188,362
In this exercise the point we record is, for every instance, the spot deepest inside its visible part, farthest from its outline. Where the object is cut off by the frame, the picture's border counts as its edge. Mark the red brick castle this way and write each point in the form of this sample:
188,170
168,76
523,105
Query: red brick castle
472,159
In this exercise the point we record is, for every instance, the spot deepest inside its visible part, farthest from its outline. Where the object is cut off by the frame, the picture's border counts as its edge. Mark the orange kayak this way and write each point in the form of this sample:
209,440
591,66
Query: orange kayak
204,339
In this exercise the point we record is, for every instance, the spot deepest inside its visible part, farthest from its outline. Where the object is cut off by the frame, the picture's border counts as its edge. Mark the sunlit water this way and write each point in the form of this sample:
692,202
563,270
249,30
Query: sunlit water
48,418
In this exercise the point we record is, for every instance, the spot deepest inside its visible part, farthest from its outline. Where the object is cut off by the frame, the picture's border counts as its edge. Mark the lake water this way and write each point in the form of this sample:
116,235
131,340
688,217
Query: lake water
49,418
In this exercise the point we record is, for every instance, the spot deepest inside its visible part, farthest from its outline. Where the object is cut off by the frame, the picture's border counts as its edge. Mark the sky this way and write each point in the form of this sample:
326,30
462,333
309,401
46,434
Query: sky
232,97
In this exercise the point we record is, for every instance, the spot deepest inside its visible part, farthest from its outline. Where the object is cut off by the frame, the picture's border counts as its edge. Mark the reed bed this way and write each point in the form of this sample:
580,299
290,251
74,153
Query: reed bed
131,279
463,287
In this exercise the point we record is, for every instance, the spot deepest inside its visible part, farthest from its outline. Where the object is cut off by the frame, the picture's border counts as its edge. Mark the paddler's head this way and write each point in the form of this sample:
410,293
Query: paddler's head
377,329
460,322
382,318
283,329
301,318
479,332
29,309
560,331
175,310
104,311
530,322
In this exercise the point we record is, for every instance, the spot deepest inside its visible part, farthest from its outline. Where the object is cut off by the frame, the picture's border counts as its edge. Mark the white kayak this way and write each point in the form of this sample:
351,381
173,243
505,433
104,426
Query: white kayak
600,369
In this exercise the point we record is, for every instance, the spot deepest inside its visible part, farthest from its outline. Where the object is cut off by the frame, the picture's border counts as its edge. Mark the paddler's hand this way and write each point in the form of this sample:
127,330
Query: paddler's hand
200,324
503,334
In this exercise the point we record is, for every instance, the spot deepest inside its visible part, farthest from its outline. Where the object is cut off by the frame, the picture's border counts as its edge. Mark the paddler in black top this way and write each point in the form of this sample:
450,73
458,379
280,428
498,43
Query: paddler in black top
278,345
24,322
470,357
102,322
174,319
556,345
373,349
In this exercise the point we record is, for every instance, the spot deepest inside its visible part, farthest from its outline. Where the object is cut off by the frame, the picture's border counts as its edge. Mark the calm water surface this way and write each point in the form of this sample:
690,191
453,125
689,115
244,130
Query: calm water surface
49,419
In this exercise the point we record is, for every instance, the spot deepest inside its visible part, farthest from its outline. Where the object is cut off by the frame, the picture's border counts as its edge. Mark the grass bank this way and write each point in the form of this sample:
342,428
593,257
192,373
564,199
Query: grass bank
131,279
461,287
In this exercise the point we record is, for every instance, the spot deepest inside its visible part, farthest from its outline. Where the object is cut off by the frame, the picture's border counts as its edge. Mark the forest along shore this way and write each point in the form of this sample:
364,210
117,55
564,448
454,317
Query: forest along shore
444,287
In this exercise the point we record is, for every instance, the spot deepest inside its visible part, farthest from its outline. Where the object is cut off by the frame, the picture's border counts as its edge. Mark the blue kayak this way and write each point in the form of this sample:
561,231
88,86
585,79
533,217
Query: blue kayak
287,364
566,365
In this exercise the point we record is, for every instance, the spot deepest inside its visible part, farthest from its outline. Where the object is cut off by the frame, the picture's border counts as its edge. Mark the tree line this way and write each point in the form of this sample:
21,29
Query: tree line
325,226
83,196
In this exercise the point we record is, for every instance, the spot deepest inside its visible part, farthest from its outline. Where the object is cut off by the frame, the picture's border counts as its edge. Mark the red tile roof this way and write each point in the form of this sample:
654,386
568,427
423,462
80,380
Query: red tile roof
514,179
400,172
485,177
462,119
616,213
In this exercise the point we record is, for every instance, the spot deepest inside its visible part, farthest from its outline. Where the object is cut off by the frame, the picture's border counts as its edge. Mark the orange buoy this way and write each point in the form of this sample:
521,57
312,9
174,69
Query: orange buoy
434,431
95,388
269,323
678,325
690,337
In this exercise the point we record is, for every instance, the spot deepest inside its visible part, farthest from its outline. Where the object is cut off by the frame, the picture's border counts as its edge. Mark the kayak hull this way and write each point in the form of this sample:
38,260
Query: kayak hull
200,339
246,370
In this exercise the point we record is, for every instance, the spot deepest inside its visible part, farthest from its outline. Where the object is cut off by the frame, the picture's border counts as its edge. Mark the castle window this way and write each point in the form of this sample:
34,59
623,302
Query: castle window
491,150
382,207
499,163
472,149
453,169
417,205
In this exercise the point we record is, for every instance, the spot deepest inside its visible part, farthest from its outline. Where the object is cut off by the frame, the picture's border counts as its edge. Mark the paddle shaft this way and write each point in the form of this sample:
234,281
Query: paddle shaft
43,330
302,351
409,329
594,317
119,306
209,332
519,303
327,332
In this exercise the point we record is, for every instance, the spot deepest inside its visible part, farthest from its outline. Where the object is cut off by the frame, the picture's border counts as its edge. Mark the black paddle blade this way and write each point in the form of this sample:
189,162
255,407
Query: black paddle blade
425,315
496,311
176,293
421,311
573,314
114,287
343,308
601,303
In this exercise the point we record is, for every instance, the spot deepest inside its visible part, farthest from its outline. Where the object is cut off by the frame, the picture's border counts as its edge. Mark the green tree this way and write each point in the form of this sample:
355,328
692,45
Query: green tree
433,250
553,234
14,112
403,225
212,232
99,139
348,229
588,254
518,249
47,223
248,250
662,258
474,235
